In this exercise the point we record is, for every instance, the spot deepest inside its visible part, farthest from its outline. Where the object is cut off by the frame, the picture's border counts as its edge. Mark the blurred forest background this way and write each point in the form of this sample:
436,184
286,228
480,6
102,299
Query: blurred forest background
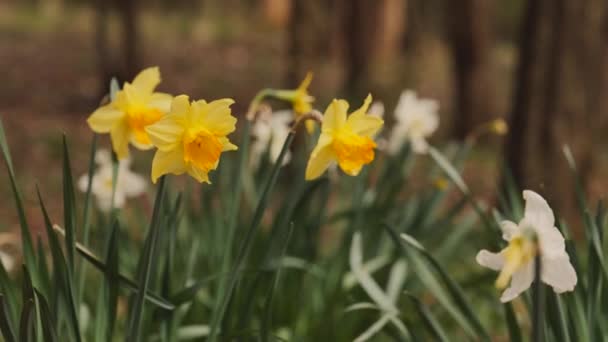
542,65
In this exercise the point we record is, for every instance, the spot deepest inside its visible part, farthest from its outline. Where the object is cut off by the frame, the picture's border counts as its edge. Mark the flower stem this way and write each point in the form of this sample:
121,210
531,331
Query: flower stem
538,302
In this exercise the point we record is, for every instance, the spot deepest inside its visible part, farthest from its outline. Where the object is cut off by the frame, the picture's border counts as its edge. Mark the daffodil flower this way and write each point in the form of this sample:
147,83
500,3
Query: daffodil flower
128,184
134,108
416,119
270,131
345,140
300,99
535,234
192,137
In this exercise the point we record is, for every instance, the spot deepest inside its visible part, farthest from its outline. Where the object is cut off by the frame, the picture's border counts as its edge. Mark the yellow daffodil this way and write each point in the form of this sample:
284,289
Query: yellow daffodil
191,137
300,98
345,140
134,107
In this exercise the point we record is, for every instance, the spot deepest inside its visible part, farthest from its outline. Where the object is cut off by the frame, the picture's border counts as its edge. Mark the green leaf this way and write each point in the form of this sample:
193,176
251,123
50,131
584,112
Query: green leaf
275,276
26,326
454,290
112,278
429,319
69,211
245,247
149,256
86,214
26,238
48,326
6,327
60,269
514,330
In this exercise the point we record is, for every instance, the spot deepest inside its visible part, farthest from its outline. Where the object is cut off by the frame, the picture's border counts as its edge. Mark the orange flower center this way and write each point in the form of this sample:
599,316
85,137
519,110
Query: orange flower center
353,151
202,149
138,120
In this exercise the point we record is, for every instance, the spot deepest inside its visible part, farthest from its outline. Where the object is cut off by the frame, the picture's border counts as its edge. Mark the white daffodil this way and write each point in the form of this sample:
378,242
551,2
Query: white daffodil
416,119
128,184
270,131
534,234
384,301
7,260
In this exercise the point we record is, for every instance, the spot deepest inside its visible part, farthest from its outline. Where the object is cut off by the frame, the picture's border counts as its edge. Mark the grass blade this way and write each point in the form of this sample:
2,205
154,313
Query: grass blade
6,327
248,240
149,256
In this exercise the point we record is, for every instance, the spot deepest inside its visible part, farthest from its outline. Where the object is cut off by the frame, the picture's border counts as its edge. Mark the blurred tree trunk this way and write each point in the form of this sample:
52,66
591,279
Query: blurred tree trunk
105,66
469,36
294,43
516,142
359,22
131,41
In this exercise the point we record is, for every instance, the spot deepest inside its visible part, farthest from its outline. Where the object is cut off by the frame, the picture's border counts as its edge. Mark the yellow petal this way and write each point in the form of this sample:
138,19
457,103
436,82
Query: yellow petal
120,135
335,115
215,116
320,159
147,79
104,118
364,107
166,162
199,174
227,145
367,125
161,101
180,106
167,133
310,126
306,82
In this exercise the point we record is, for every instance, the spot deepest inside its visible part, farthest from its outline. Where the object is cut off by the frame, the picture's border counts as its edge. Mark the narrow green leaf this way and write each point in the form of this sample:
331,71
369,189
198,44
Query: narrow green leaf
69,211
26,326
144,274
267,312
86,214
48,326
112,278
514,330
429,319
245,247
6,327
453,288
26,238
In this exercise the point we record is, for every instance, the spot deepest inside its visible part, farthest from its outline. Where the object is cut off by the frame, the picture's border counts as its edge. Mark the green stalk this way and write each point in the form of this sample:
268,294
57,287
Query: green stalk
537,302
245,247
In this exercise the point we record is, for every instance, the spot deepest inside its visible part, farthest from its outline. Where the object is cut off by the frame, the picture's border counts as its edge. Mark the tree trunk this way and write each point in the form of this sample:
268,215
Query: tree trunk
294,43
522,92
132,46
468,25
105,67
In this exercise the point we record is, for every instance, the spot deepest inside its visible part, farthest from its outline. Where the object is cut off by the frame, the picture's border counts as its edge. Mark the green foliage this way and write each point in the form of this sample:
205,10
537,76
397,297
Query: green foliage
265,255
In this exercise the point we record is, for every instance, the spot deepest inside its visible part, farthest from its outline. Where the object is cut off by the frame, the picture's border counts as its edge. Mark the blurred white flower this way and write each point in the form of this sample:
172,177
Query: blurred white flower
8,262
376,109
129,184
534,234
384,301
416,119
270,131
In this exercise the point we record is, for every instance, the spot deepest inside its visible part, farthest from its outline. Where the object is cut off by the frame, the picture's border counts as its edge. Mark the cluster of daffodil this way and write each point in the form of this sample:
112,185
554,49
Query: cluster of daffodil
190,136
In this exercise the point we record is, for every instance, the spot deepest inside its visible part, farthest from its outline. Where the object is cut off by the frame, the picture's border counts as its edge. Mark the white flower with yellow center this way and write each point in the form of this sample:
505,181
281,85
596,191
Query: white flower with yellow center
270,131
129,184
416,119
535,234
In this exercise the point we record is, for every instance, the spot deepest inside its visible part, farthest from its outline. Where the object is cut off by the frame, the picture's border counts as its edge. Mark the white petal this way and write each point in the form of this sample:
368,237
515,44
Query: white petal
419,145
537,212
520,282
493,261
8,262
103,157
83,183
551,241
133,184
373,329
509,229
396,279
559,273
